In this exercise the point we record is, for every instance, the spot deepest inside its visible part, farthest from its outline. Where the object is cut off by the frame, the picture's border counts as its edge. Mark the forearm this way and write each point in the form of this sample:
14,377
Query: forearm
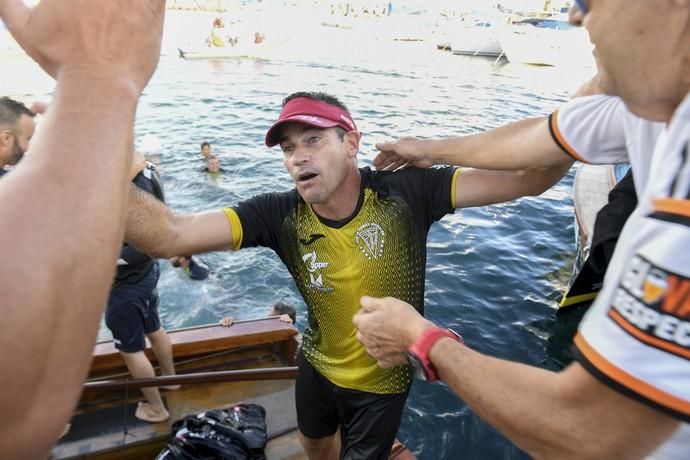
481,187
62,209
152,228
550,415
521,145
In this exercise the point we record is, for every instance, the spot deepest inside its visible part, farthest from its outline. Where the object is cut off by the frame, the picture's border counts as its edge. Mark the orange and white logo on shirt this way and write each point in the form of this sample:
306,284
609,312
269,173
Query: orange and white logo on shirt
653,305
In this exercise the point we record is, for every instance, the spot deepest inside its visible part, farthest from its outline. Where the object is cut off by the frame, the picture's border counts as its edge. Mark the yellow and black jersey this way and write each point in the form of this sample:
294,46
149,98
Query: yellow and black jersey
378,251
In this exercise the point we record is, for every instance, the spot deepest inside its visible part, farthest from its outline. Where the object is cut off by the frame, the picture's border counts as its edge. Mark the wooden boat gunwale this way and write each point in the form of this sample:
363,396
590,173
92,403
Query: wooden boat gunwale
253,344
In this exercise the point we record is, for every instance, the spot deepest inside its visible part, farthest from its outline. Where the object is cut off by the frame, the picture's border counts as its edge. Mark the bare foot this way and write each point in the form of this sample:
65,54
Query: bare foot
146,413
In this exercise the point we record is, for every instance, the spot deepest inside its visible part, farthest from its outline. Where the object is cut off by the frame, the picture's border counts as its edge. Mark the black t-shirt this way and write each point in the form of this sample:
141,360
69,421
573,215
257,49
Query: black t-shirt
133,264
378,251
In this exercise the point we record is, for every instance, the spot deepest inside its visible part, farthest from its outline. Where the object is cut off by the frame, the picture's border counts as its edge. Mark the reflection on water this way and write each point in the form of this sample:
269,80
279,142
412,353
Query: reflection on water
492,272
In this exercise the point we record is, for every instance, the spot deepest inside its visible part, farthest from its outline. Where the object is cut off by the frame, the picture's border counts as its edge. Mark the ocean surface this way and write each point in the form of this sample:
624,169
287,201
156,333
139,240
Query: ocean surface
494,274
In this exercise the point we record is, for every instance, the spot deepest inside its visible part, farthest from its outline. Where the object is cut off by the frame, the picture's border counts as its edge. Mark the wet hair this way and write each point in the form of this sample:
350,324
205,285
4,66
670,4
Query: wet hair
177,263
280,308
205,144
317,96
11,111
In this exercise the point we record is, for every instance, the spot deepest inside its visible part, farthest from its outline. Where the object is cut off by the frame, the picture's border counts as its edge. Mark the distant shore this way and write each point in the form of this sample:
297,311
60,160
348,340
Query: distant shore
197,5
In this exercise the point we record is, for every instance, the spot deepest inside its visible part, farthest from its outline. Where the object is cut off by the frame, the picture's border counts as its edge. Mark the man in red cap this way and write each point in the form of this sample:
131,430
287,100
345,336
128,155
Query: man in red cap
343,232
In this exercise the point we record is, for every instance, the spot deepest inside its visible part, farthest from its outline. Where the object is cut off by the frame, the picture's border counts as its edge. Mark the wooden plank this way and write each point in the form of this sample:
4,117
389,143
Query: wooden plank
203,340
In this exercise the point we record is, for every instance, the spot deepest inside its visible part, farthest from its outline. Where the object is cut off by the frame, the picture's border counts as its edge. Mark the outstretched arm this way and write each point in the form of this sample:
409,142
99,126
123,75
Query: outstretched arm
62,207
482,187
154,229
524,144
550,415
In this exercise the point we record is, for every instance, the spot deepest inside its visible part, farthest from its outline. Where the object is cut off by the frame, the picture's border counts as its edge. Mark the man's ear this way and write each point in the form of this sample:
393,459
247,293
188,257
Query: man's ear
352,138
6,137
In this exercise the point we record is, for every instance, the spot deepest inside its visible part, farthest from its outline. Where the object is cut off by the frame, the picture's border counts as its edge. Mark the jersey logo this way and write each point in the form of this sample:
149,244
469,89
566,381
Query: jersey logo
315,277
653,305
312,238
369,238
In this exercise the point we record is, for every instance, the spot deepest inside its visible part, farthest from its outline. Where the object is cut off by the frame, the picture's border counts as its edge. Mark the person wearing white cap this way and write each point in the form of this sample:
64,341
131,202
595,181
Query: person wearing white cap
151,148
343,232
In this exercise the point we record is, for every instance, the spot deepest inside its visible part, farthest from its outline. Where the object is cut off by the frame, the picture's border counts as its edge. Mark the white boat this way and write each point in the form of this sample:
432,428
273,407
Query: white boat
264,50
477,40
591,189
548,42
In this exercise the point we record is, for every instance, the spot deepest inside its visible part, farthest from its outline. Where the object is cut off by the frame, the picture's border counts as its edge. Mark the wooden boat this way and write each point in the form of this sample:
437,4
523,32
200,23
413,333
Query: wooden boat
250,362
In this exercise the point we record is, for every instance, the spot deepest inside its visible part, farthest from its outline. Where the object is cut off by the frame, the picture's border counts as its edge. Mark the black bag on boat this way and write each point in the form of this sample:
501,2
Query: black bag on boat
237,433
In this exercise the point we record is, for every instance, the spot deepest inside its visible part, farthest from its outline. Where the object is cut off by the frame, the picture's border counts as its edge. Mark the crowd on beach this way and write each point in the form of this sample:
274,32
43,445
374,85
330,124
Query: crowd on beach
353,239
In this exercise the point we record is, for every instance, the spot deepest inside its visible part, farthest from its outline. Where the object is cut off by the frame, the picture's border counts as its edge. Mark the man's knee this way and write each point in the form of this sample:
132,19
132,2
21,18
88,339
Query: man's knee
156,335
327,447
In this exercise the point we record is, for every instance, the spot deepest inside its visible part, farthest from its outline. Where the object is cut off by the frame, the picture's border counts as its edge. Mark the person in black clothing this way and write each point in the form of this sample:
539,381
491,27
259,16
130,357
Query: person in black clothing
196,269
132,312
342,232
213,165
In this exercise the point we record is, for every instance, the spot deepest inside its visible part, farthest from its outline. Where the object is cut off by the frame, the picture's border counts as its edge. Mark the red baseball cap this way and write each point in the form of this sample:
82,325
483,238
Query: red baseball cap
310,112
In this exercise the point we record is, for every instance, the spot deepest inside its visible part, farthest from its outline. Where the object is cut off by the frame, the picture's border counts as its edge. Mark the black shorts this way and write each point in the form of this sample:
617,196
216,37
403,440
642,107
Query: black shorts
368,422
133,312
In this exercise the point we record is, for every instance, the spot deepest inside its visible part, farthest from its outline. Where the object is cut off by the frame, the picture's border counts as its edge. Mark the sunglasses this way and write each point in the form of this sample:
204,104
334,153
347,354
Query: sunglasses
582,5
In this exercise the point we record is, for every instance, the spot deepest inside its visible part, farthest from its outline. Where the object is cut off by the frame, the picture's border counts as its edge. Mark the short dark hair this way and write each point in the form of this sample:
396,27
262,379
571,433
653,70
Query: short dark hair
204,144
281,308
317,96
11,111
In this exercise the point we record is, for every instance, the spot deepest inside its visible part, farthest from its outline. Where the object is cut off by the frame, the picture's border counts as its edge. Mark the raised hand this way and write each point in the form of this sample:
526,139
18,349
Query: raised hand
92,38
403,152
387,327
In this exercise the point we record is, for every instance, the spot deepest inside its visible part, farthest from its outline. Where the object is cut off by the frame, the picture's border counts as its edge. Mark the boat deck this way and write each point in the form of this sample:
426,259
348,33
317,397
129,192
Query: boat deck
104,426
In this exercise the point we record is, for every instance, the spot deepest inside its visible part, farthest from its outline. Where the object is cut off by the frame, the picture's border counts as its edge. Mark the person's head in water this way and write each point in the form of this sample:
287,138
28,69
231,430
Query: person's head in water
206,149
180,261
213,164
320,142
16,129
280,308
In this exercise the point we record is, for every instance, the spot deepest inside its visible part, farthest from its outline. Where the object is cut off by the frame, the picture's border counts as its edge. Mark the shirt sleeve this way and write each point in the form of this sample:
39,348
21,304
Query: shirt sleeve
591,129
258,220
429,192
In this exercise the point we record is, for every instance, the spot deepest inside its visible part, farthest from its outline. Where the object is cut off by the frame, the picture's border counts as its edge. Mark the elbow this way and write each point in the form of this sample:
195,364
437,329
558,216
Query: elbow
537,181
164,253
533,183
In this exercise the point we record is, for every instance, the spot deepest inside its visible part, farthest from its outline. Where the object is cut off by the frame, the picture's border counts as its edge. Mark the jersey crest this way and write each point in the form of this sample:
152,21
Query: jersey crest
370,239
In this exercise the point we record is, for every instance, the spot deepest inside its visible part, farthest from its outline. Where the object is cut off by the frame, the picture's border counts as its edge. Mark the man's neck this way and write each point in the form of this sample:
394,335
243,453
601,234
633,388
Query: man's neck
344,201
